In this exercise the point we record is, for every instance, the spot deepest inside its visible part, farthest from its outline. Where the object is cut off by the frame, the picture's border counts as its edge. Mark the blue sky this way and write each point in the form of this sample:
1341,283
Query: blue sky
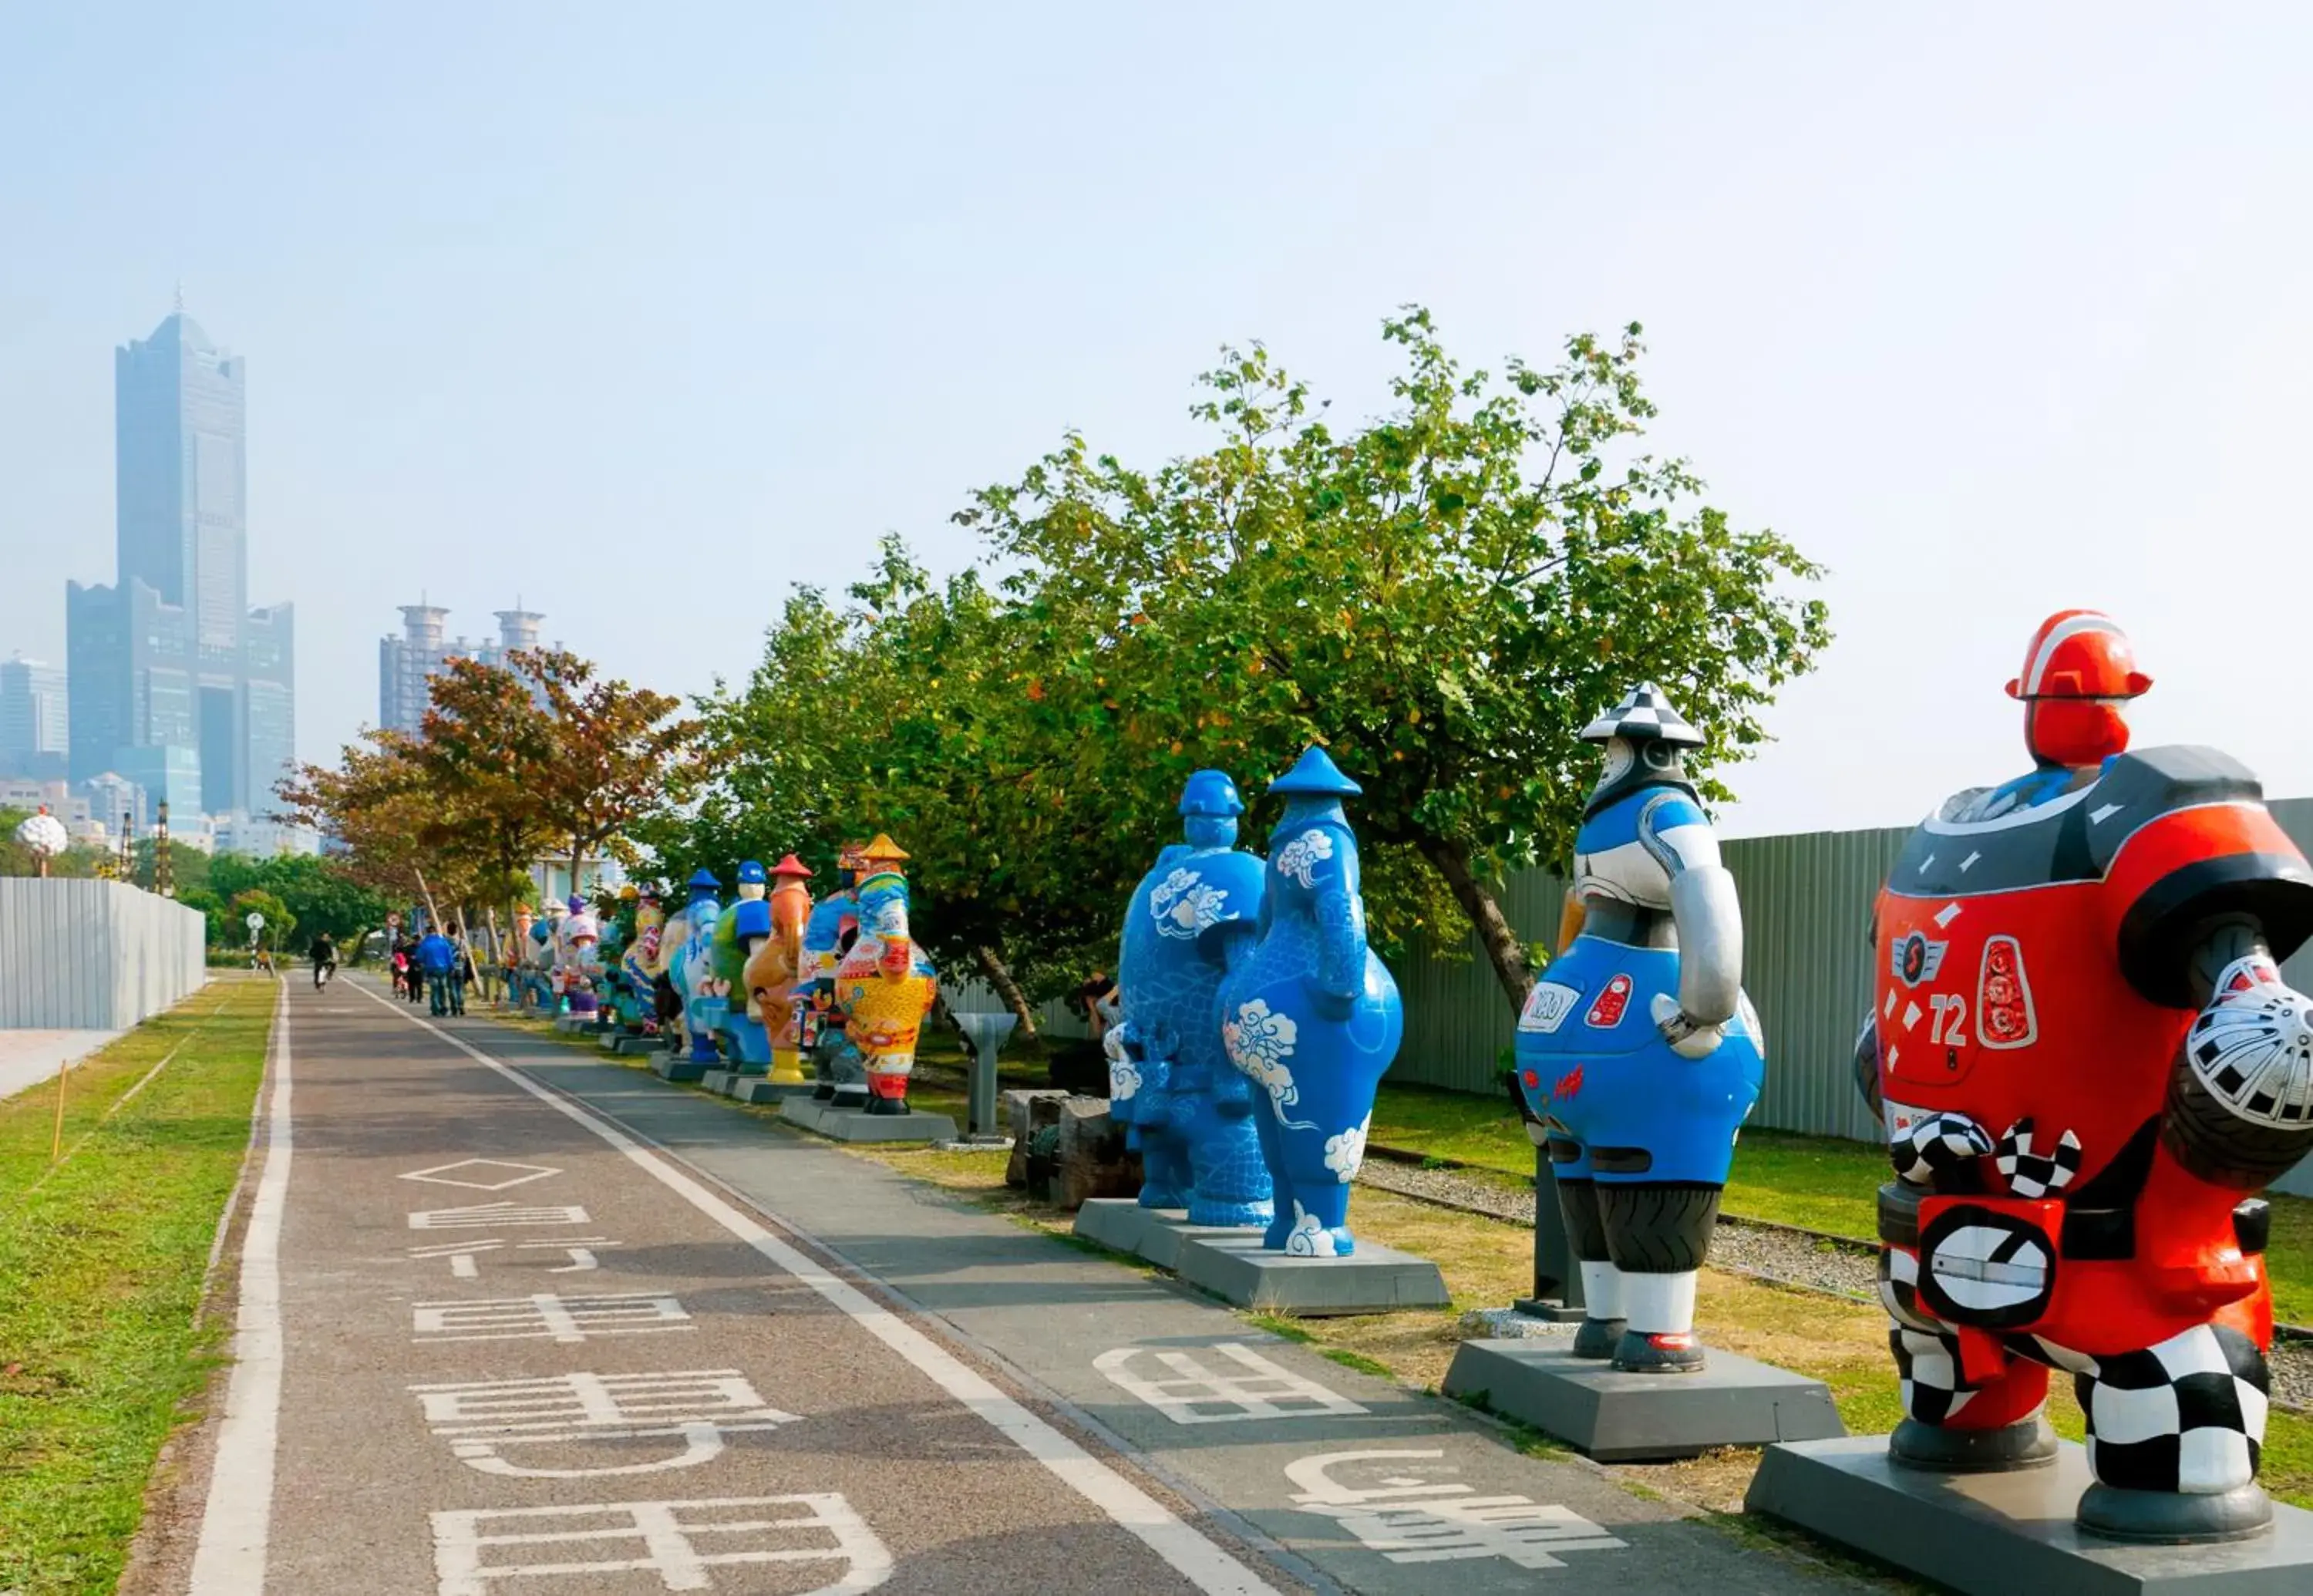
645,313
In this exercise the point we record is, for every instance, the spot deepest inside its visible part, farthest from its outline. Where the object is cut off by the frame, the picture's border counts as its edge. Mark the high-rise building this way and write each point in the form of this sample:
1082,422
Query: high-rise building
176,683
35,723
407,664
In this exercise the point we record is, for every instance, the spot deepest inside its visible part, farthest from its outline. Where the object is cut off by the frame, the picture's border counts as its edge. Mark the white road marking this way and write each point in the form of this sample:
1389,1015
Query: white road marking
237,1519
442,1173
698,1407
1410,1519
665,1533
1256,1389
488,1216
545,1316
1189,1554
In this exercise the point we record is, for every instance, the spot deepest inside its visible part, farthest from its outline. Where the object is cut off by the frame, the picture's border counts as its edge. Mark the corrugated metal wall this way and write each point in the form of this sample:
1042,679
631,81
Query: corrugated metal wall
975,996
1806,903
95,956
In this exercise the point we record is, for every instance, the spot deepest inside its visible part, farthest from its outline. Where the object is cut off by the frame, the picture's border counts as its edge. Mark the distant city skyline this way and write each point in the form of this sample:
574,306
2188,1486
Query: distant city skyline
174,681
1991,311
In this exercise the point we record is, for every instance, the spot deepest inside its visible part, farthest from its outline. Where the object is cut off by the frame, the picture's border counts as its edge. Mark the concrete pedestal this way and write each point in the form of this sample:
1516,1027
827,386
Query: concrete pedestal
717,1081
1153,1234
1994,1534
631,1046
1235,1268
757,1089
676,1066
1625,1418
857,1124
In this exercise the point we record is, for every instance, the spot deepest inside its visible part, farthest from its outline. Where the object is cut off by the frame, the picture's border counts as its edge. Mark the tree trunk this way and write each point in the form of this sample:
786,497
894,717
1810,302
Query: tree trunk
577,852
1503,949
1000,977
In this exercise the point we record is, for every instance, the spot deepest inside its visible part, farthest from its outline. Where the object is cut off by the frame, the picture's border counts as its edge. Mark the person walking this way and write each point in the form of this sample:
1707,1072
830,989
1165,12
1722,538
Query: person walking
439,960
325,960
462,968
401,970
415,988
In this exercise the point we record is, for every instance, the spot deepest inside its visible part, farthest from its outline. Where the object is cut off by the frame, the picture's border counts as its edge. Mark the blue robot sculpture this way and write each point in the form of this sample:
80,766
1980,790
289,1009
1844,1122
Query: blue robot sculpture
1170,1079
1310,1016
1637,1053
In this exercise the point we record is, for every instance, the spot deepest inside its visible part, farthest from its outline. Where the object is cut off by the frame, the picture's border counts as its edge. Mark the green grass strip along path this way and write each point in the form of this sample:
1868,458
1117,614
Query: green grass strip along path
1820,1183
101,1259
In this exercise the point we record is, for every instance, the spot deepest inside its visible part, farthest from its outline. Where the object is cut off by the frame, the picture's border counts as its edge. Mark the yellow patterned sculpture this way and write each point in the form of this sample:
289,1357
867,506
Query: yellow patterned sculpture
885,984
776,967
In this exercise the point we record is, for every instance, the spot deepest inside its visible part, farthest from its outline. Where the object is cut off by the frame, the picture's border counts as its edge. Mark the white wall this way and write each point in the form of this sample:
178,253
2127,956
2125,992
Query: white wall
92,955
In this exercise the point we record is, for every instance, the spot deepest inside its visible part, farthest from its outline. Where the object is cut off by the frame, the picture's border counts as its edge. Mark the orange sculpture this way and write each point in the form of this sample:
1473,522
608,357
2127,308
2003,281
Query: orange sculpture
772,973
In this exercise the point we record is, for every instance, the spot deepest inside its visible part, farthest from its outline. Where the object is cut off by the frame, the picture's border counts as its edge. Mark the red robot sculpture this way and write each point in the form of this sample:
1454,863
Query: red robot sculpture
2088,1064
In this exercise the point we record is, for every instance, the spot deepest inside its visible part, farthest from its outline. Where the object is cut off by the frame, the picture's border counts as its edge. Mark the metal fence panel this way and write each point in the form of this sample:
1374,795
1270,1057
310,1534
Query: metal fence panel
100,956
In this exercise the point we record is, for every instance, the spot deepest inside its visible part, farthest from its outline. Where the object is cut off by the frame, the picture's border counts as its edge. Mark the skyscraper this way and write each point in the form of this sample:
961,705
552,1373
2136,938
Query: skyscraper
172,672
407,664
34,720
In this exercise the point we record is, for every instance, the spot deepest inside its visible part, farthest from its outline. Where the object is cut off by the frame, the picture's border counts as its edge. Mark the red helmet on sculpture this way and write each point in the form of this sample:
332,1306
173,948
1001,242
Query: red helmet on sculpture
2079,672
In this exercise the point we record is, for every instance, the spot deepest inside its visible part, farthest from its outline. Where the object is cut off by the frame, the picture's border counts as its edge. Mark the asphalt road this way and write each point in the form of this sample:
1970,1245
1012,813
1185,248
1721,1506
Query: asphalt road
512,1321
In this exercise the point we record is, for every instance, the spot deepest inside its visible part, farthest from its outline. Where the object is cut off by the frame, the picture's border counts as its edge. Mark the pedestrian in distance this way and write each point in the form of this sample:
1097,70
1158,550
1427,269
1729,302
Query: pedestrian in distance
414,987
325,960
462,968
437,957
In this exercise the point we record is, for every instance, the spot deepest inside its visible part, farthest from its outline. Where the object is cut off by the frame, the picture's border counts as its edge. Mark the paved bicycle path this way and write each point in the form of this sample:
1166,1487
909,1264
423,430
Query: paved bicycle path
487,1344
1380,1489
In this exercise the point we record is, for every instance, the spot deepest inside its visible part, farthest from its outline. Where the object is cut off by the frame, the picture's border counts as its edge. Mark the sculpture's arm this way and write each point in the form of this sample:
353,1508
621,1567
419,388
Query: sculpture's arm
1708,920
2240,1098
1340,915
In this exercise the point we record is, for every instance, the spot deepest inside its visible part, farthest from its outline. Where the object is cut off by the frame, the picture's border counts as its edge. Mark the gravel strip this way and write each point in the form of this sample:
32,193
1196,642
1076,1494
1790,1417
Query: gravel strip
1792,1257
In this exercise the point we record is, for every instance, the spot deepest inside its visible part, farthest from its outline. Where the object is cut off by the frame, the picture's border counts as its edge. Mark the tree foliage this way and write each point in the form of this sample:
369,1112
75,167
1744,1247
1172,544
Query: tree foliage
1443,595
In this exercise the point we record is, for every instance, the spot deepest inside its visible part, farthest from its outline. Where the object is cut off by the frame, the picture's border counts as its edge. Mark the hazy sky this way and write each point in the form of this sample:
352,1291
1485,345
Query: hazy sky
644,311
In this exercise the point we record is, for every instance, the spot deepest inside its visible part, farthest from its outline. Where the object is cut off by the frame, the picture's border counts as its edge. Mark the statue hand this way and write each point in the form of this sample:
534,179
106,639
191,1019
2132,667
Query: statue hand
1687,1037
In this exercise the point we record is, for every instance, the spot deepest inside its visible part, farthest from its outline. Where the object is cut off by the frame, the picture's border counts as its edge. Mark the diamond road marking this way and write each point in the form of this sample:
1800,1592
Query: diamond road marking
1946,915
522,1173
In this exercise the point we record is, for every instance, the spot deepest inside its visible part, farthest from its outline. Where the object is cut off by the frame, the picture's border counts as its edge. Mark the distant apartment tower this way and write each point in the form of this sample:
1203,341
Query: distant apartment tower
35,720
176,683
408,665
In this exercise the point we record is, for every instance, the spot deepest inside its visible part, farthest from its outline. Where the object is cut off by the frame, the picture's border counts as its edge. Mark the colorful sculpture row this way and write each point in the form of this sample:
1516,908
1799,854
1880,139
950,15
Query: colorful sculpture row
1265,969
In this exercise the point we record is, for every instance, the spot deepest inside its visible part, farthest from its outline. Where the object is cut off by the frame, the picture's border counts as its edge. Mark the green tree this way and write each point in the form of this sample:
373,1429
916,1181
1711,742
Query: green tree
319,894
1443,597
279,927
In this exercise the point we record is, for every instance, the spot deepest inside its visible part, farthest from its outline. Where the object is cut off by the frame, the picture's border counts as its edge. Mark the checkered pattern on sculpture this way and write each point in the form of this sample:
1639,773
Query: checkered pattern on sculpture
2186,1415
1936,1144
1645,712
2030,1174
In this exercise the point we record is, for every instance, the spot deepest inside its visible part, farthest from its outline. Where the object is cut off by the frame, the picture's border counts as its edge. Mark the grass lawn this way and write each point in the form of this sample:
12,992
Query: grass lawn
102,1260
1822,1183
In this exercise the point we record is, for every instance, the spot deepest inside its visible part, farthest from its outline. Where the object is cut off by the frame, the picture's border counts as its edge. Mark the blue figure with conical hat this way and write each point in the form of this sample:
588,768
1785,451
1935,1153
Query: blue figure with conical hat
1312,1017
1170,1081
1637,1050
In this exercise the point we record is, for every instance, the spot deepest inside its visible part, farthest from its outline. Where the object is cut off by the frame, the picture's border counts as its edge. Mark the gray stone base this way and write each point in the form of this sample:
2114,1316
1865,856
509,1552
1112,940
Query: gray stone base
1626,1418
676,1066
1992,1534
756,1088
630,1046
1154,1234
574,1022
857,1124
1235,1268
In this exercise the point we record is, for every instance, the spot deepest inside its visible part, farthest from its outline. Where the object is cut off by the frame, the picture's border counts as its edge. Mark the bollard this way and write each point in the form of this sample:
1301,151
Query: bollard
986,1033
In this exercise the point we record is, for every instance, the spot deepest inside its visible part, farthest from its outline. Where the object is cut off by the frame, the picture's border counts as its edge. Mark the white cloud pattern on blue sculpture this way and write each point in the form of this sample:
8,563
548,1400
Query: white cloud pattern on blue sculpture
1300,858
1346,1153
1258,1041
1186,903
1308,1238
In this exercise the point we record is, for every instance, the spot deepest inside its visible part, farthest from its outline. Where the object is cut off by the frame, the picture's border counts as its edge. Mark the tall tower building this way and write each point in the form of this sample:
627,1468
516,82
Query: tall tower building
173,672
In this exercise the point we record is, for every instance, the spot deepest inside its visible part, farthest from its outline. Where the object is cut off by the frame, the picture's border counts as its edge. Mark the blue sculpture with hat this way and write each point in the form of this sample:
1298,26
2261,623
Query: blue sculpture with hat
1310,1016
692,969
1171,1084
1637,1052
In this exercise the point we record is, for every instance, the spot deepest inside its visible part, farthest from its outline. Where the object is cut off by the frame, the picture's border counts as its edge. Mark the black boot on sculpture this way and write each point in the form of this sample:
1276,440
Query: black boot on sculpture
2175,1518
1597,1338
2028,1443
1641,1353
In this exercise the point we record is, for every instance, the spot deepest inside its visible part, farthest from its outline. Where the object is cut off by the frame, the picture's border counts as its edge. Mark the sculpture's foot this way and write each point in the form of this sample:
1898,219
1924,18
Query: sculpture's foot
1161,1196
1280,1226
2174,1518
2028,1443
1598,1338
1237,1216
887,1105
825,1092
1660,1353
